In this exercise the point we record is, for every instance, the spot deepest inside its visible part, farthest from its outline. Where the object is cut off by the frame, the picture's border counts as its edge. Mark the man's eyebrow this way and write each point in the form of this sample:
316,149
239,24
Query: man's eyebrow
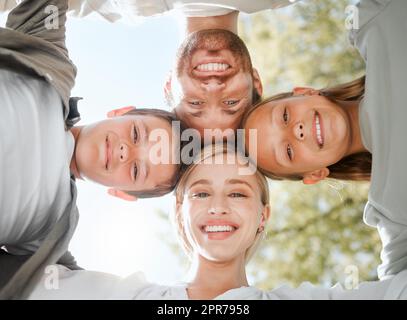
200,181
239,181
195,114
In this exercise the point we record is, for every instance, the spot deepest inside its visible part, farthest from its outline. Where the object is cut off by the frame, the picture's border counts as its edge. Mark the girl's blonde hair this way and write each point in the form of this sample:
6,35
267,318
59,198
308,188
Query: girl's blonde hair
358,166
211,151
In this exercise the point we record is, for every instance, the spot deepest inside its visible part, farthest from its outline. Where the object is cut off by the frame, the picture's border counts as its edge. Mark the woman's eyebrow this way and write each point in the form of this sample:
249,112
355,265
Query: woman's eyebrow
201,181
239,181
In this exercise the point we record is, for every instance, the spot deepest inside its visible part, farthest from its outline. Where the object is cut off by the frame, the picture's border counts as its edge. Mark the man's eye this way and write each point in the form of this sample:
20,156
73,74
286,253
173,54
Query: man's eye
289,152
195,103
200,195
285,116
231,102
237,195
135,134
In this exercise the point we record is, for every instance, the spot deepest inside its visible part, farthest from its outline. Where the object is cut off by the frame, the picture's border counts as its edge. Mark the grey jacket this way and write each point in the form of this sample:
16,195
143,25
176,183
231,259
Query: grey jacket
33,43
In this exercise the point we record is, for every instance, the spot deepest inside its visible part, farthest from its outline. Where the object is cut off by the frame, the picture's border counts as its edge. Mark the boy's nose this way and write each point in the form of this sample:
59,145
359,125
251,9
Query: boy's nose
213,84
299,131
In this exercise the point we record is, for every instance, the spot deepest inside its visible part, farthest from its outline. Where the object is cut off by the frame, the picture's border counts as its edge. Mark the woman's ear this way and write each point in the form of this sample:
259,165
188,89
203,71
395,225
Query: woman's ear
257,82
121,194
304,91
119,112
315,176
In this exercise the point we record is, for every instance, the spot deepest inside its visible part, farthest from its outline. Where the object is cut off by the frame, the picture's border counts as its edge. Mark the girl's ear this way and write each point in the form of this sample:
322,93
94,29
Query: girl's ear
265,215
315,176
119,112
305,91
257,82
121,194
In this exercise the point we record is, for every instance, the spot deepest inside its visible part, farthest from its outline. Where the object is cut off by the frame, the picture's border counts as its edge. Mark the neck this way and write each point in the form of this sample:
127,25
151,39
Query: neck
211,279
351,109
226,22
73,167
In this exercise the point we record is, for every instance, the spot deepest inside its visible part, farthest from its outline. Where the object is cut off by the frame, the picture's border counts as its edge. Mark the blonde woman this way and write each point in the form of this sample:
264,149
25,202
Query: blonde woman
220,218
354,131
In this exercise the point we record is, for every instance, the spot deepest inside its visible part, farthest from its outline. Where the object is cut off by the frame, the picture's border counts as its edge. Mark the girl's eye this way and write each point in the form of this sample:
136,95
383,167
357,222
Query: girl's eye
285,116
237,195
135,172
200,195
231,102
289,152
135,134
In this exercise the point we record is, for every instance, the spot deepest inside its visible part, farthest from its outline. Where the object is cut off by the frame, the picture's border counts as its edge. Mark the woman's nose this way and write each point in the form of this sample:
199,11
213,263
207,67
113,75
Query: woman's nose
299,131
218,207
123,152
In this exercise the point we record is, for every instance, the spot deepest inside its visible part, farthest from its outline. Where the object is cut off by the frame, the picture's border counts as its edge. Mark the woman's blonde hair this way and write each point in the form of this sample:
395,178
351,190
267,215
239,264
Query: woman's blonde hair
208,152
358,166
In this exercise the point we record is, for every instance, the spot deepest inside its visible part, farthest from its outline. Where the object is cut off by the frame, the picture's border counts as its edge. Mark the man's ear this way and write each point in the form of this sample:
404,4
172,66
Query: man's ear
305,91
167,85
257,82
315,176
119,112
121,194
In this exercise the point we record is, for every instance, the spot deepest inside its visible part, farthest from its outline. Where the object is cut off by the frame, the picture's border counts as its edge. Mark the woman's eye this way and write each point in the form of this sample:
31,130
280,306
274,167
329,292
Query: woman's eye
289,152
200,195
237,195
135,134
285,116
231,102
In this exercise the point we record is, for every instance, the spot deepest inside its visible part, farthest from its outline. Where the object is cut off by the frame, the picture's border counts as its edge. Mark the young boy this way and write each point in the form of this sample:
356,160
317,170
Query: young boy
42,152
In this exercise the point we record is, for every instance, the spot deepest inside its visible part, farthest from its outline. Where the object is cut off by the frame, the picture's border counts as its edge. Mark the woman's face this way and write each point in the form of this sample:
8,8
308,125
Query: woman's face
299,135
221,211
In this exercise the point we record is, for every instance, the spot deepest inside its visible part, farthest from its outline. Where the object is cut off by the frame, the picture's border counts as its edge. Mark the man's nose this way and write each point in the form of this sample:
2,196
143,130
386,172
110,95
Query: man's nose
299,131
213,84
124,152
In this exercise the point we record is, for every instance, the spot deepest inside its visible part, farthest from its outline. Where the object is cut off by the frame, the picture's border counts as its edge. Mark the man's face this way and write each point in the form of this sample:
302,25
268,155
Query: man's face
214,80
118,153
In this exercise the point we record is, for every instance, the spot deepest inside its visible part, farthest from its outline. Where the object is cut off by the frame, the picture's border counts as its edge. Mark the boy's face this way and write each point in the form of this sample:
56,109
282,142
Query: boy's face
118,152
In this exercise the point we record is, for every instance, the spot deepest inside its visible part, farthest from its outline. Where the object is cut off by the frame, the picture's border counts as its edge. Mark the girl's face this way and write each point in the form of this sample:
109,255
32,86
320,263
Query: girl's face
301,135
222,211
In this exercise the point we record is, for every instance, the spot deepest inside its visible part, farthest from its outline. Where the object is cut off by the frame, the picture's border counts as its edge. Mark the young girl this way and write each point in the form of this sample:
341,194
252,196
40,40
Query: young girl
220,218
354,131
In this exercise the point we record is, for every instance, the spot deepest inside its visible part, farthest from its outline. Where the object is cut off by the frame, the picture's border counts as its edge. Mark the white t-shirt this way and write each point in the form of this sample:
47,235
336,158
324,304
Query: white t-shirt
382,41
60,283
132,10
35,154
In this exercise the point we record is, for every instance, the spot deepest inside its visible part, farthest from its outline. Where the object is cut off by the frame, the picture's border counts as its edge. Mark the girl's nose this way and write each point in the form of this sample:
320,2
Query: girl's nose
299,131
123,152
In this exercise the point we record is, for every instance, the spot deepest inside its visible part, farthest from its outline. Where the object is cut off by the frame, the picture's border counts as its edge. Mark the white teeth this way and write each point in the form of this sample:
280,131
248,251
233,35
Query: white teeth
219,228
213,67
318,127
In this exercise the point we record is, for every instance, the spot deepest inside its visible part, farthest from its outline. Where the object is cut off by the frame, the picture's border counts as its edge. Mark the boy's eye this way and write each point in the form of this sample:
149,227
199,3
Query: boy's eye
200,195
289,152
135,134
231,103
285,116
237,195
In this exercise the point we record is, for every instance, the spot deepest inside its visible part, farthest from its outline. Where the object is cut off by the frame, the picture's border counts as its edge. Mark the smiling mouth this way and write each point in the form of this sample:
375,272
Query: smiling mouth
213,66
318,130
